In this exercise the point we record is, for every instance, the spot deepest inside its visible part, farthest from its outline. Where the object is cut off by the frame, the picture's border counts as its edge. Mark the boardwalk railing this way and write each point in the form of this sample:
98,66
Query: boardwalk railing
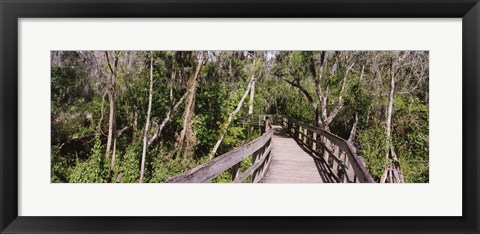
259,149
337,155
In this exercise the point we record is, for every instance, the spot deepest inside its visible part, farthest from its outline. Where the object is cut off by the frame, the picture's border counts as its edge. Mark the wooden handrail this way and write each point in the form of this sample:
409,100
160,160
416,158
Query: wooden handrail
339,154
260,149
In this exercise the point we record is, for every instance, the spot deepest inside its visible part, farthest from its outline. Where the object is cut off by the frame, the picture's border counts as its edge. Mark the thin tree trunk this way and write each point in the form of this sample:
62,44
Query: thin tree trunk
250,107
340,103
388,128
147,123
99,126
361,74
111,123
395,173
112,165
166,119
353,130
111,97
252,94
230,118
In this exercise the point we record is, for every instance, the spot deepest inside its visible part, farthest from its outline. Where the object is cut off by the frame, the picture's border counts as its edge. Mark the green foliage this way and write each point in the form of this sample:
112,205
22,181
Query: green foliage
411,137
372,146
226,176
415,171
93,170
59,166
127,169
165,167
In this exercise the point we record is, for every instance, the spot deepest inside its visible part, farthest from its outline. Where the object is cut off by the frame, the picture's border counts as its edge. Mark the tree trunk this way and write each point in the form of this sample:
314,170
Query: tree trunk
186,138
230,118
323,57
111,98
252,94
111,122
112,165
388,128
393,172
353,130
99,126
147,121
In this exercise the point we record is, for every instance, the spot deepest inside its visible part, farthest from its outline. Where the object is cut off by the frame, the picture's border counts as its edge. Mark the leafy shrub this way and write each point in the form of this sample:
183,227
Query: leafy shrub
93,170
372,147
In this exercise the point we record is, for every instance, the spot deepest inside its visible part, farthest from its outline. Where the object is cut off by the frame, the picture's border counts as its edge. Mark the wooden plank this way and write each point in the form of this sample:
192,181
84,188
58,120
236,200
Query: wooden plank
211,169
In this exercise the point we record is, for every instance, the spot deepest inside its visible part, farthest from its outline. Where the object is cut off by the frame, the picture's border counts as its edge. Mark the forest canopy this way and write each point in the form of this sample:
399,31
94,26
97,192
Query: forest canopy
146,116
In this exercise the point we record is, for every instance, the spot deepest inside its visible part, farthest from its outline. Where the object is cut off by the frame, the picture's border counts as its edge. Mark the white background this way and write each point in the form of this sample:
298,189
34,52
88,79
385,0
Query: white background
442,196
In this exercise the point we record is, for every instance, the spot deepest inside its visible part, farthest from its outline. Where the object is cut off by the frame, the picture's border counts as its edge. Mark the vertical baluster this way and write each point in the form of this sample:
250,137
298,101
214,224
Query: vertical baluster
300,131
326,145
314,141
262,169
350,171
235,170
362,161
343,168
305,136
336,151
255,155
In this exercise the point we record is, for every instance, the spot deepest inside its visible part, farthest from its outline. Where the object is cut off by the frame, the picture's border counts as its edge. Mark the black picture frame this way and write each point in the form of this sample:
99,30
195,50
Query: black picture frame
11,11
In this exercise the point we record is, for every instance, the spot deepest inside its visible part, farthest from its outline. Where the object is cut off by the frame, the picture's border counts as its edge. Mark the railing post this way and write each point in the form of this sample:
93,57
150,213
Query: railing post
267,124
254,159
314,141
350,171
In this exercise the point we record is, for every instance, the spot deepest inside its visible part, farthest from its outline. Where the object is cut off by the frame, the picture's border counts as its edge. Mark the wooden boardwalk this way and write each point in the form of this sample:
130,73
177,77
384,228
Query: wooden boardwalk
290,163
309,155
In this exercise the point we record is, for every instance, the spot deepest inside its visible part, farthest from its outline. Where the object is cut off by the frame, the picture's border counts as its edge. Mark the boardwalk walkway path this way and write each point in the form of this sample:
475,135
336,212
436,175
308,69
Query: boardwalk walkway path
291,153
290,163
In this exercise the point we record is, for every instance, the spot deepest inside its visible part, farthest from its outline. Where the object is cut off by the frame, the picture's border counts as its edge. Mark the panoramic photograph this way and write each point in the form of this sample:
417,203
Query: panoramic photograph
239,117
